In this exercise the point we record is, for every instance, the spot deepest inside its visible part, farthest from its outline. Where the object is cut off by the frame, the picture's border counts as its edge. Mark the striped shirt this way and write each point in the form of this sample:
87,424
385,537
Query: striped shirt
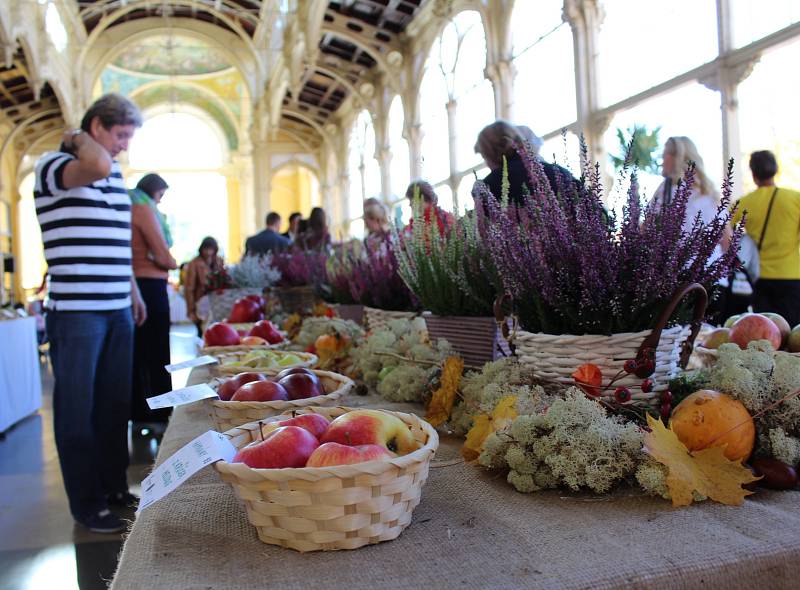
86,232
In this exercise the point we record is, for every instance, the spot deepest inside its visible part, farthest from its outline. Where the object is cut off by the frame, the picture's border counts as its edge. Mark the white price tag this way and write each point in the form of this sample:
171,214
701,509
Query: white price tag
196,362
179,397
204,450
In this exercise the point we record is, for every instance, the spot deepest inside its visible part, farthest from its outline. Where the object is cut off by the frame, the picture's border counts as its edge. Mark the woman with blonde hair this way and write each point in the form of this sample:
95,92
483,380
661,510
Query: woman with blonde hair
376,219
679,151
498,143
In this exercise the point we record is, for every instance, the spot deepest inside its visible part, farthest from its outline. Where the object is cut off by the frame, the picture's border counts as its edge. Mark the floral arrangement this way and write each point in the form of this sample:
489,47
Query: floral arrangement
254,271
314,327
446,269
299,268
218,279
369,276
400,362
572,268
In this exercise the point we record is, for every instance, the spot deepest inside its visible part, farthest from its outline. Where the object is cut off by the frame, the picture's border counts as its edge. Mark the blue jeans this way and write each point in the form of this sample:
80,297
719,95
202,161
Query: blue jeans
92,357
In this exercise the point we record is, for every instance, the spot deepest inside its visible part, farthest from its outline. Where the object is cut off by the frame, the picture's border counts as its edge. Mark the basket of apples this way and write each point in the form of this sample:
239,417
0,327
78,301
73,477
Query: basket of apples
744,328
261,360
228,337
323,479
252,396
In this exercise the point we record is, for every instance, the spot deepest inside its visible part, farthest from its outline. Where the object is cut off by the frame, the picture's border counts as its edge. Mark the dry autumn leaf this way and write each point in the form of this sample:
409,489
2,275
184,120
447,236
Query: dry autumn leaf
441,404
589,378
502,416
707,471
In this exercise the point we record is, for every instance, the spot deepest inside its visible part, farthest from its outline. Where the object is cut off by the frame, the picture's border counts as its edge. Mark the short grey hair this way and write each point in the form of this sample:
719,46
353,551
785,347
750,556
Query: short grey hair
113,109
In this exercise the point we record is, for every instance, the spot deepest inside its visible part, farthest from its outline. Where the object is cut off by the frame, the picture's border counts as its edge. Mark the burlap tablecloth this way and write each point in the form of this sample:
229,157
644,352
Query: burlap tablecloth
471,530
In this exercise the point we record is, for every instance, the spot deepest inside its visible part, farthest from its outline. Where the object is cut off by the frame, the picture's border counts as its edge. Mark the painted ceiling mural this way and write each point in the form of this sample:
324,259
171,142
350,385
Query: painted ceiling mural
172,55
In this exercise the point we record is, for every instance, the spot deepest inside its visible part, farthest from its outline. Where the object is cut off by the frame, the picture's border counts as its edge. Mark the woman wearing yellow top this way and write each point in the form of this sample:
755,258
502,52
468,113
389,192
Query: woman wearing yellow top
773,221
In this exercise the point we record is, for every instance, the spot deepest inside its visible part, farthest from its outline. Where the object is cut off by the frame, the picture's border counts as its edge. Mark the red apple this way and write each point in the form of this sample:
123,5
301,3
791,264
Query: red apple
302,386
753,326
266,330
226,390
296,371
257,299
335,454
245,310
260,391
253,341
371,427
288,446
314,423
220,334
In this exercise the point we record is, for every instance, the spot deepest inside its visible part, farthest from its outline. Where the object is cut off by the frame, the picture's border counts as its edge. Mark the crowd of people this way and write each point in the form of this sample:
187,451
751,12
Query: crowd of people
108,252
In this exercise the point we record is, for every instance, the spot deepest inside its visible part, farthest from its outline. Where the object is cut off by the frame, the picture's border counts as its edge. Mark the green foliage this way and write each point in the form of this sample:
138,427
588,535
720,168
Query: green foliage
643,144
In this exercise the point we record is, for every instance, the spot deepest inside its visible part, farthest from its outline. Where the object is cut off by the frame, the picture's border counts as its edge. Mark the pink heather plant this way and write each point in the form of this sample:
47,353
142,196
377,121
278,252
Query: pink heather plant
573,268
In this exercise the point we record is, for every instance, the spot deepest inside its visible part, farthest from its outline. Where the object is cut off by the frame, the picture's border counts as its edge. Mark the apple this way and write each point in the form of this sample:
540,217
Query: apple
260,391
794,339
226,390
753,326
256,299
335,454
717,337
245,310
220,334
371,427
296,371
314,423
288,446
289,359
253,341
782,324
301,386
266,330
732,320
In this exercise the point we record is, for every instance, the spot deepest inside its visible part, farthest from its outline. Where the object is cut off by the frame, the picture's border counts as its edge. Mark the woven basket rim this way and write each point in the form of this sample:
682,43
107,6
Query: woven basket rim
240,348
308,360
376,467
676,329
430,314
345,385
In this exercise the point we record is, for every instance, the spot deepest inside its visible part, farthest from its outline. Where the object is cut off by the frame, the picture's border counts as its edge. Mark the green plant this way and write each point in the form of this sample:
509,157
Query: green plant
642,144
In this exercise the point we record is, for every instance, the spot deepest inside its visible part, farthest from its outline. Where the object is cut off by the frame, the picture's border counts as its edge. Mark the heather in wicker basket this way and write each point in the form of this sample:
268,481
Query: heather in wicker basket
572,267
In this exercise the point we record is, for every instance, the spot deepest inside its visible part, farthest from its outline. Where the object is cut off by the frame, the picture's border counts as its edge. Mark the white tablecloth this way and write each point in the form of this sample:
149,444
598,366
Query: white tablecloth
20,381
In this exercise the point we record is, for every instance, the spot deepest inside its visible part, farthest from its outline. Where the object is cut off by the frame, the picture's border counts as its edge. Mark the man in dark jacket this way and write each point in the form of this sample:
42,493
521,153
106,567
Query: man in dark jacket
268,240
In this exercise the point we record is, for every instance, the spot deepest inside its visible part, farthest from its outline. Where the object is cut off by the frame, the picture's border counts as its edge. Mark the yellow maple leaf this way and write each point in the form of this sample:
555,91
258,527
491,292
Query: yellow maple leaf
441,404
483,425
707,471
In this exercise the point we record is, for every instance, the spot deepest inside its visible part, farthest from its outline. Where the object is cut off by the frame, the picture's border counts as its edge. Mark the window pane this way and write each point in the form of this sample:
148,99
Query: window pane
644,43
754,19
564,151
690,110
400,159
768,120
474,111
471,53
433,116
190,143
543,52
445,194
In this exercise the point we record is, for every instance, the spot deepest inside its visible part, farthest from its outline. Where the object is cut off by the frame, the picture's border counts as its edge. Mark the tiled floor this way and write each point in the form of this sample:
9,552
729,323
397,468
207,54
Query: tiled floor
40,545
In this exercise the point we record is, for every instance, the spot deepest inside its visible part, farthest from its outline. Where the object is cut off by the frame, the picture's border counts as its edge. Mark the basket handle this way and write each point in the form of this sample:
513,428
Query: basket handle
502,320
647,349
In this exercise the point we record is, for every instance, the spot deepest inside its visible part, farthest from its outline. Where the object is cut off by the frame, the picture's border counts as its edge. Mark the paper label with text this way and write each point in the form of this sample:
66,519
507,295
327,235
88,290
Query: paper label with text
180,397
196,362
204,450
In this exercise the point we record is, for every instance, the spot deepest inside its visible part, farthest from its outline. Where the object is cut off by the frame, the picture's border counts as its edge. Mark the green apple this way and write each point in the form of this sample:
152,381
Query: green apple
717,337
782,324
794,339
732,320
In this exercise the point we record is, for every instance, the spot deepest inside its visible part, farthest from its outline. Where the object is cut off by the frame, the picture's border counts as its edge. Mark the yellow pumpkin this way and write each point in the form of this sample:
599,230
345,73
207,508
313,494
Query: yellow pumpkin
710,418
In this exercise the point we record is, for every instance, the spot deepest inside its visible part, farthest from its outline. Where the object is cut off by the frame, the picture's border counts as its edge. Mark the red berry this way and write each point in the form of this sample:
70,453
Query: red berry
629,366
666,410
647,386
645,368
622,394
666,397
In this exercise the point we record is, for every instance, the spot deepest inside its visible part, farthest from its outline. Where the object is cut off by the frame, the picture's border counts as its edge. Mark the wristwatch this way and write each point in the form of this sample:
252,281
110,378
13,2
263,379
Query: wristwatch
72,135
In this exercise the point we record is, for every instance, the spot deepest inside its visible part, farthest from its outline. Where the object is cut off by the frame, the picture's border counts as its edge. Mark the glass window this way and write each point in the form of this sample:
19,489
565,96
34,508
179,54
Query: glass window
33,265
400,168
363,168
544,87
564,150
175,140
754,19
768,120
691,110
433,117
644,43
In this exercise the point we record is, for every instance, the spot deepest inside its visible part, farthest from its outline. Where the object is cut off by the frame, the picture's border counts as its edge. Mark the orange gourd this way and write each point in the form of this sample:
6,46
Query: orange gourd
710,418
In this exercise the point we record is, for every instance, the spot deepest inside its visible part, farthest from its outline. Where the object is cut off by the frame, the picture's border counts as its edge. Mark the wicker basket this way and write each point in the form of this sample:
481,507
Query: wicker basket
476,339
328,508
308,360
555,357
222,300
297,299
353,312
218,350
227,415
378,319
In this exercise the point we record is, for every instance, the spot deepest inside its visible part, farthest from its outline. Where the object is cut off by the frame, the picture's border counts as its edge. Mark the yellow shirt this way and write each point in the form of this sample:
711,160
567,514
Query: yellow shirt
780,252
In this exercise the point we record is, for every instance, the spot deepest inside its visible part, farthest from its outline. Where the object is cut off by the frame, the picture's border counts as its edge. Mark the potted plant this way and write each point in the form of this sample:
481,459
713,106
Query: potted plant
588,288
448,271
302,279
338,270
